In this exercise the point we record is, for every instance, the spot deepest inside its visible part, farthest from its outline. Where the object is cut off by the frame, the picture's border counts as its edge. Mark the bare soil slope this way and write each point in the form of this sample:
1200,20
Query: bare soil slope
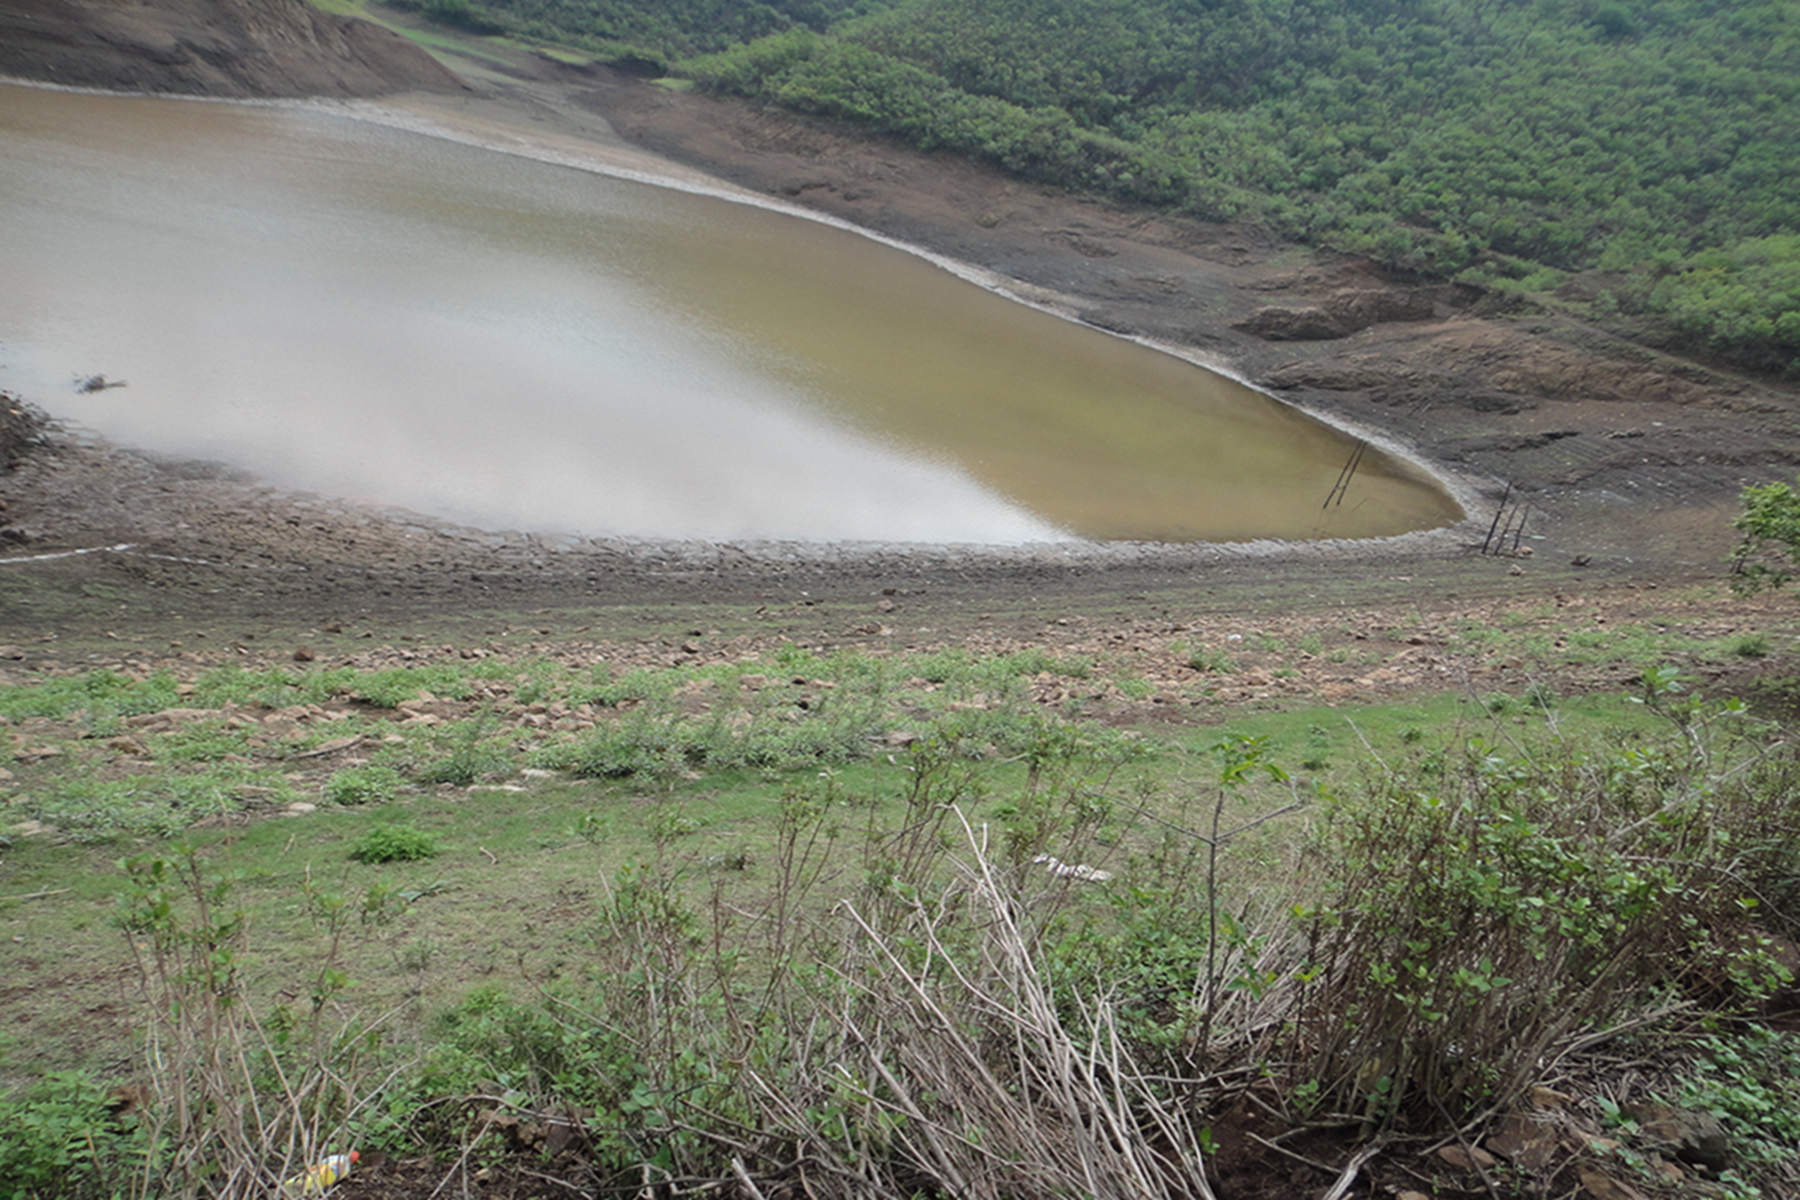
210,47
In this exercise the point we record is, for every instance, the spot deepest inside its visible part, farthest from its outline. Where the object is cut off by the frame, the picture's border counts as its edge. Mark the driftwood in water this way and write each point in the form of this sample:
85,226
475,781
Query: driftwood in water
98,383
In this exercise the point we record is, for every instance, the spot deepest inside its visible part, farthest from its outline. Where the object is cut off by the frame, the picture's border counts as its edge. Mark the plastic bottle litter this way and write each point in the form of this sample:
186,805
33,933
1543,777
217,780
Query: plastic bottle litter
321,1175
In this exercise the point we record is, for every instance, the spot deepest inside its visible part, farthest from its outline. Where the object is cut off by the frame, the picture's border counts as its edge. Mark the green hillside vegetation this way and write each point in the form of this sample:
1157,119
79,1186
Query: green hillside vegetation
1502,144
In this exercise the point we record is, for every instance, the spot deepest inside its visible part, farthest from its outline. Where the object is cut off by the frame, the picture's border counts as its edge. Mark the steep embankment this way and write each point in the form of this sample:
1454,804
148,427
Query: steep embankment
210,47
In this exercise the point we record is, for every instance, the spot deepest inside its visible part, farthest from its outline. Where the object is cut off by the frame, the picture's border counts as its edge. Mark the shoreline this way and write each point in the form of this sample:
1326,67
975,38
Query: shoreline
452,119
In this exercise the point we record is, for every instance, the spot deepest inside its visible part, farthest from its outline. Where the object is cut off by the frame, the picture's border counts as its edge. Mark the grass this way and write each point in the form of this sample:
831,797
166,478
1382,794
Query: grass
654,782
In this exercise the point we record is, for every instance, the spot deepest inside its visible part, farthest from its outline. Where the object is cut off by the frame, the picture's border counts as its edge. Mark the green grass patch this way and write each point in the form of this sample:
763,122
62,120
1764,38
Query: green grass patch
393,843
96,694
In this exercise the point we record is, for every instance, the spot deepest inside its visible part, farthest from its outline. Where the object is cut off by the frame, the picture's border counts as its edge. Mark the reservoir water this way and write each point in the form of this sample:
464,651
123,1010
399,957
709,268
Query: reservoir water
350,308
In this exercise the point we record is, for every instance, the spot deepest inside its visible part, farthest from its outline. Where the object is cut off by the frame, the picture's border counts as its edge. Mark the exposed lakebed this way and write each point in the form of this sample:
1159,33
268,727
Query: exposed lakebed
355,309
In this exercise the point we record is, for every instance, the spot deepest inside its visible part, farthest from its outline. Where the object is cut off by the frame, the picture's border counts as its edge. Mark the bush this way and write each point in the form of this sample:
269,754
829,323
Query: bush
1465,929
59,1137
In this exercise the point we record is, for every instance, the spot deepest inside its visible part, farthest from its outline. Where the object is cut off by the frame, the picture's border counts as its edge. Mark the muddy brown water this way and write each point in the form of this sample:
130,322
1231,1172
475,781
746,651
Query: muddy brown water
359,310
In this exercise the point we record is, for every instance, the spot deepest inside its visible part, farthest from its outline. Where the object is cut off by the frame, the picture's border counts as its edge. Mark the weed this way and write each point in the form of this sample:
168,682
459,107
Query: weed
392,688
239,1101
369,784
1210,661
1135,689
1749,1077
460,755
88,808
394,843
100,694
201,741
1750,645
635,687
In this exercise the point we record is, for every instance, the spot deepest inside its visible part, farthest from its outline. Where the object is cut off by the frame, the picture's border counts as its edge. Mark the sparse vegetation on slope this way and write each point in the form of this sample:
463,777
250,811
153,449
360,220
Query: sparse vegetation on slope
760,909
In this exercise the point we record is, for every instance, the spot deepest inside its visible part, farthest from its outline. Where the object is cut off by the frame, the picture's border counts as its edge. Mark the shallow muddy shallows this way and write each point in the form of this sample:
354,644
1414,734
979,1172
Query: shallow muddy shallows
359,310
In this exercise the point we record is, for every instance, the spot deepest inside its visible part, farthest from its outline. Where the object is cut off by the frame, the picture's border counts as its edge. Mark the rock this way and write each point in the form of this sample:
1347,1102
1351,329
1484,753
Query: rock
31,829
1526,1142
1693,1137
1342,314
1543,1097
537,773
300,808
170,716
1598,1186
1469,1159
